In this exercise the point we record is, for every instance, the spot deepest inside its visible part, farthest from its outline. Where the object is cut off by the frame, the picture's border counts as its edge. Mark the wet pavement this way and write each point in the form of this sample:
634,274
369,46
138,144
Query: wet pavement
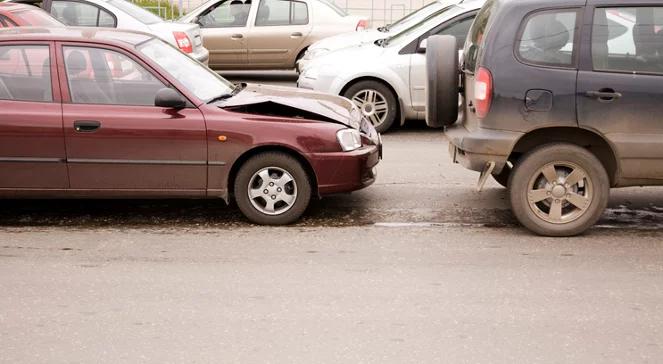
417,268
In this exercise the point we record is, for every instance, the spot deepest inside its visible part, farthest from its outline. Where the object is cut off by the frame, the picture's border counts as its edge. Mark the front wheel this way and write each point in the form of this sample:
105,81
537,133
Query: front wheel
376,102
272,189
559,190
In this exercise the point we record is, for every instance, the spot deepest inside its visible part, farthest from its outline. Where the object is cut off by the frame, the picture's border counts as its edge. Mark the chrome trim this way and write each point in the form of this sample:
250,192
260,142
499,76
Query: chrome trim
30,160
134,161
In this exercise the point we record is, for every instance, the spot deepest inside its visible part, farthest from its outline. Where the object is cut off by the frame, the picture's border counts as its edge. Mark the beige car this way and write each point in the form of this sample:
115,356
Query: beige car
267,34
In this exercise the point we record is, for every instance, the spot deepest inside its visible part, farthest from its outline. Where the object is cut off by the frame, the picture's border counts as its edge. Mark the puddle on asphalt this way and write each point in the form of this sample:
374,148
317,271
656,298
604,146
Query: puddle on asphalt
205,214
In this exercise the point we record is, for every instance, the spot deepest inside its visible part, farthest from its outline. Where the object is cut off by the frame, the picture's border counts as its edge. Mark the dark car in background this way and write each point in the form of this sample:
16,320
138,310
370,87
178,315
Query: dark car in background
91,112
561,101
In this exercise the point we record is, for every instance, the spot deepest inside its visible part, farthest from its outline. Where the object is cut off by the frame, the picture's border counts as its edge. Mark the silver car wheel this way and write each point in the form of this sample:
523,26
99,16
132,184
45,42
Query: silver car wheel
560,192
373,105
272,191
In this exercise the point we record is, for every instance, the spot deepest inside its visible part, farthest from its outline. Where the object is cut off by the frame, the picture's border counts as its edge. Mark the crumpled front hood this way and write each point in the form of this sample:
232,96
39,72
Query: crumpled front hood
330,107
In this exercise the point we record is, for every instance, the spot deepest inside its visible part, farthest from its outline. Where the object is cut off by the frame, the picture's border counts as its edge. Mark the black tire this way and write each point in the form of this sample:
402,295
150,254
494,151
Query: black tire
560,156
503,177
382,89
442,73
280,161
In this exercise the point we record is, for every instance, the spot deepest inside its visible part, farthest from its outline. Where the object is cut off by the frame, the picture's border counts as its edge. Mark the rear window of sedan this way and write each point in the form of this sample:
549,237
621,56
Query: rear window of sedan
135,11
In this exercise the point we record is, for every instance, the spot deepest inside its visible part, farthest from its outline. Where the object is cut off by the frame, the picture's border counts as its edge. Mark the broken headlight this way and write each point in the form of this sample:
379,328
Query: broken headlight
350,139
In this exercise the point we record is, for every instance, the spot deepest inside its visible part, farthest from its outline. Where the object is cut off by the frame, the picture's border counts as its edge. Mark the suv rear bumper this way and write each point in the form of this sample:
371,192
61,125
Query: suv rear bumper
474,149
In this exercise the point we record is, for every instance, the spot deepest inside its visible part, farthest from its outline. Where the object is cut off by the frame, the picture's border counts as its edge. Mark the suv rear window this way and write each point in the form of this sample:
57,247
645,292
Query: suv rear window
475,38
547,38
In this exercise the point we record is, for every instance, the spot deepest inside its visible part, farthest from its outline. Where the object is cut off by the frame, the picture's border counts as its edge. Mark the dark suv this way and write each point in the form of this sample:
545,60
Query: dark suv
561,100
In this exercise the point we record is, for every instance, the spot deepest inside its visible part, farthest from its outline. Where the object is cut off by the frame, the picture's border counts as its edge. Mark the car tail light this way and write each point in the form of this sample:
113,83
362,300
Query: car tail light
483,92
363,24
183,42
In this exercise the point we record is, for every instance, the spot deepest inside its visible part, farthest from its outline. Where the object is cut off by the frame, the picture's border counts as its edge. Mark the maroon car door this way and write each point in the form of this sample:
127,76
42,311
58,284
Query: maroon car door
32,152
116,138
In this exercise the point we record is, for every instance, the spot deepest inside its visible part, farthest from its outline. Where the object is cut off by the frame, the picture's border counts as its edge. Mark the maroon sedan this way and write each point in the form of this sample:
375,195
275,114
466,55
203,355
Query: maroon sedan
20,15
108,114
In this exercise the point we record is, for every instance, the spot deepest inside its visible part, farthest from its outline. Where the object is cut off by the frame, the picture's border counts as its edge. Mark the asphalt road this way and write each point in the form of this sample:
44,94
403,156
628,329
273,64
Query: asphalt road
417,268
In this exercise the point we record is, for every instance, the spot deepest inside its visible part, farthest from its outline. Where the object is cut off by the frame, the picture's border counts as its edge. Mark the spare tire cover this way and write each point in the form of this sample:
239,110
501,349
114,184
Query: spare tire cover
442,87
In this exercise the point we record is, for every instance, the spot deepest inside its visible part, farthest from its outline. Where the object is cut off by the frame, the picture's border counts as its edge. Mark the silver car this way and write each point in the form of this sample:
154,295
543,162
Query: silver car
122,14
386,79
350,39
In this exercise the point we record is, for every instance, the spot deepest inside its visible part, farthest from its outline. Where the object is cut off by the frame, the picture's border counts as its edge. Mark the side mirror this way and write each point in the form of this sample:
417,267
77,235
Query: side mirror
422,46
167,97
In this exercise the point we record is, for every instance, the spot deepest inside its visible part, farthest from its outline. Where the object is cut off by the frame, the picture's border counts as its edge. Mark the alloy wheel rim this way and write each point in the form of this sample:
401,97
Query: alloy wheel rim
373,105
560,192
272,190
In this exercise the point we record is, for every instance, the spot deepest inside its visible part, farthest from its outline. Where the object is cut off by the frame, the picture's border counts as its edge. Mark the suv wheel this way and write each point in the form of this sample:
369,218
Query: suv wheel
442,73
559,190
272,189
376,102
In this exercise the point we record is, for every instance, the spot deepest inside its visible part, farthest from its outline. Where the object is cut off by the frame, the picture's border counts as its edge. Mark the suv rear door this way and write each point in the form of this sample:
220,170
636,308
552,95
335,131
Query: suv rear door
619,84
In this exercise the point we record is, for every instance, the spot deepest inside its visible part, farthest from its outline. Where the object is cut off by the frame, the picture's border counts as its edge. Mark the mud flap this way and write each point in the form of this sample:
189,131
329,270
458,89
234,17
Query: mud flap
483,177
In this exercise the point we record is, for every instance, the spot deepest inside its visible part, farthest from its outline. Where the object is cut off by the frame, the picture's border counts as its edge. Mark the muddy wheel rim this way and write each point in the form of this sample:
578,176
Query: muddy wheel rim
560,192
373,105
272,190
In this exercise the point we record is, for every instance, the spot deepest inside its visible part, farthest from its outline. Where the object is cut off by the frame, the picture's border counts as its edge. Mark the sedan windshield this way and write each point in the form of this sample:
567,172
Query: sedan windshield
428,22
413,17
198,79
136,12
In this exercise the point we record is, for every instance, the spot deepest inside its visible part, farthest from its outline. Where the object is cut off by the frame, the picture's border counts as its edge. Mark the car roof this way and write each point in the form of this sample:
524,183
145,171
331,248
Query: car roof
14,6
104,35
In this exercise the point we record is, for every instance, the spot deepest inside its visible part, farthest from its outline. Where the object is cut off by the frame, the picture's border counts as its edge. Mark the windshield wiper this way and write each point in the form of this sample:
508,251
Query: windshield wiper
238,88
385,28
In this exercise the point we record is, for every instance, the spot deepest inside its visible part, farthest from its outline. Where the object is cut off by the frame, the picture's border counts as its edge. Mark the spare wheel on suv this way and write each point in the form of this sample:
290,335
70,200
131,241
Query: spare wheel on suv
442,88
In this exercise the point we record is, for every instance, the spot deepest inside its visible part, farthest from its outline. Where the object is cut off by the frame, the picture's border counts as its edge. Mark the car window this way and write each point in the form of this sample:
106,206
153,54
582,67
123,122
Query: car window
547,38
628,39
25,73
103,76
74,13
226,14
474,40
142,15
458,29
281,12
204,83
36,17
428,22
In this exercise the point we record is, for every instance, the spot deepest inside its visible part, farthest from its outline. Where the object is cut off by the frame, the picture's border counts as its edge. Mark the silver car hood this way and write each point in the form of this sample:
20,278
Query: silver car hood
334,108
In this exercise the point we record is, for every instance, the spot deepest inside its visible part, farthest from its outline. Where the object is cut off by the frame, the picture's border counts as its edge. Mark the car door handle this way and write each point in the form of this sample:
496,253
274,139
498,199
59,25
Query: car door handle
296,34
237,36
604,94
86,126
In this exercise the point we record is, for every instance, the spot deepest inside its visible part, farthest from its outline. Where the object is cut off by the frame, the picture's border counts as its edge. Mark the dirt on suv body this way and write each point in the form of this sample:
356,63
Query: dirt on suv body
560,101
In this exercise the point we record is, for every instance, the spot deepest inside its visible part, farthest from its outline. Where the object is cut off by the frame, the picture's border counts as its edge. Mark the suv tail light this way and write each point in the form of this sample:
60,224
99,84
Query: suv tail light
483,92
363,24
183,42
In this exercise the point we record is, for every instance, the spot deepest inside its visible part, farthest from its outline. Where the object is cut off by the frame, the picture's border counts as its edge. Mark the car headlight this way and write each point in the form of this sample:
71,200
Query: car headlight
350,139
317,52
